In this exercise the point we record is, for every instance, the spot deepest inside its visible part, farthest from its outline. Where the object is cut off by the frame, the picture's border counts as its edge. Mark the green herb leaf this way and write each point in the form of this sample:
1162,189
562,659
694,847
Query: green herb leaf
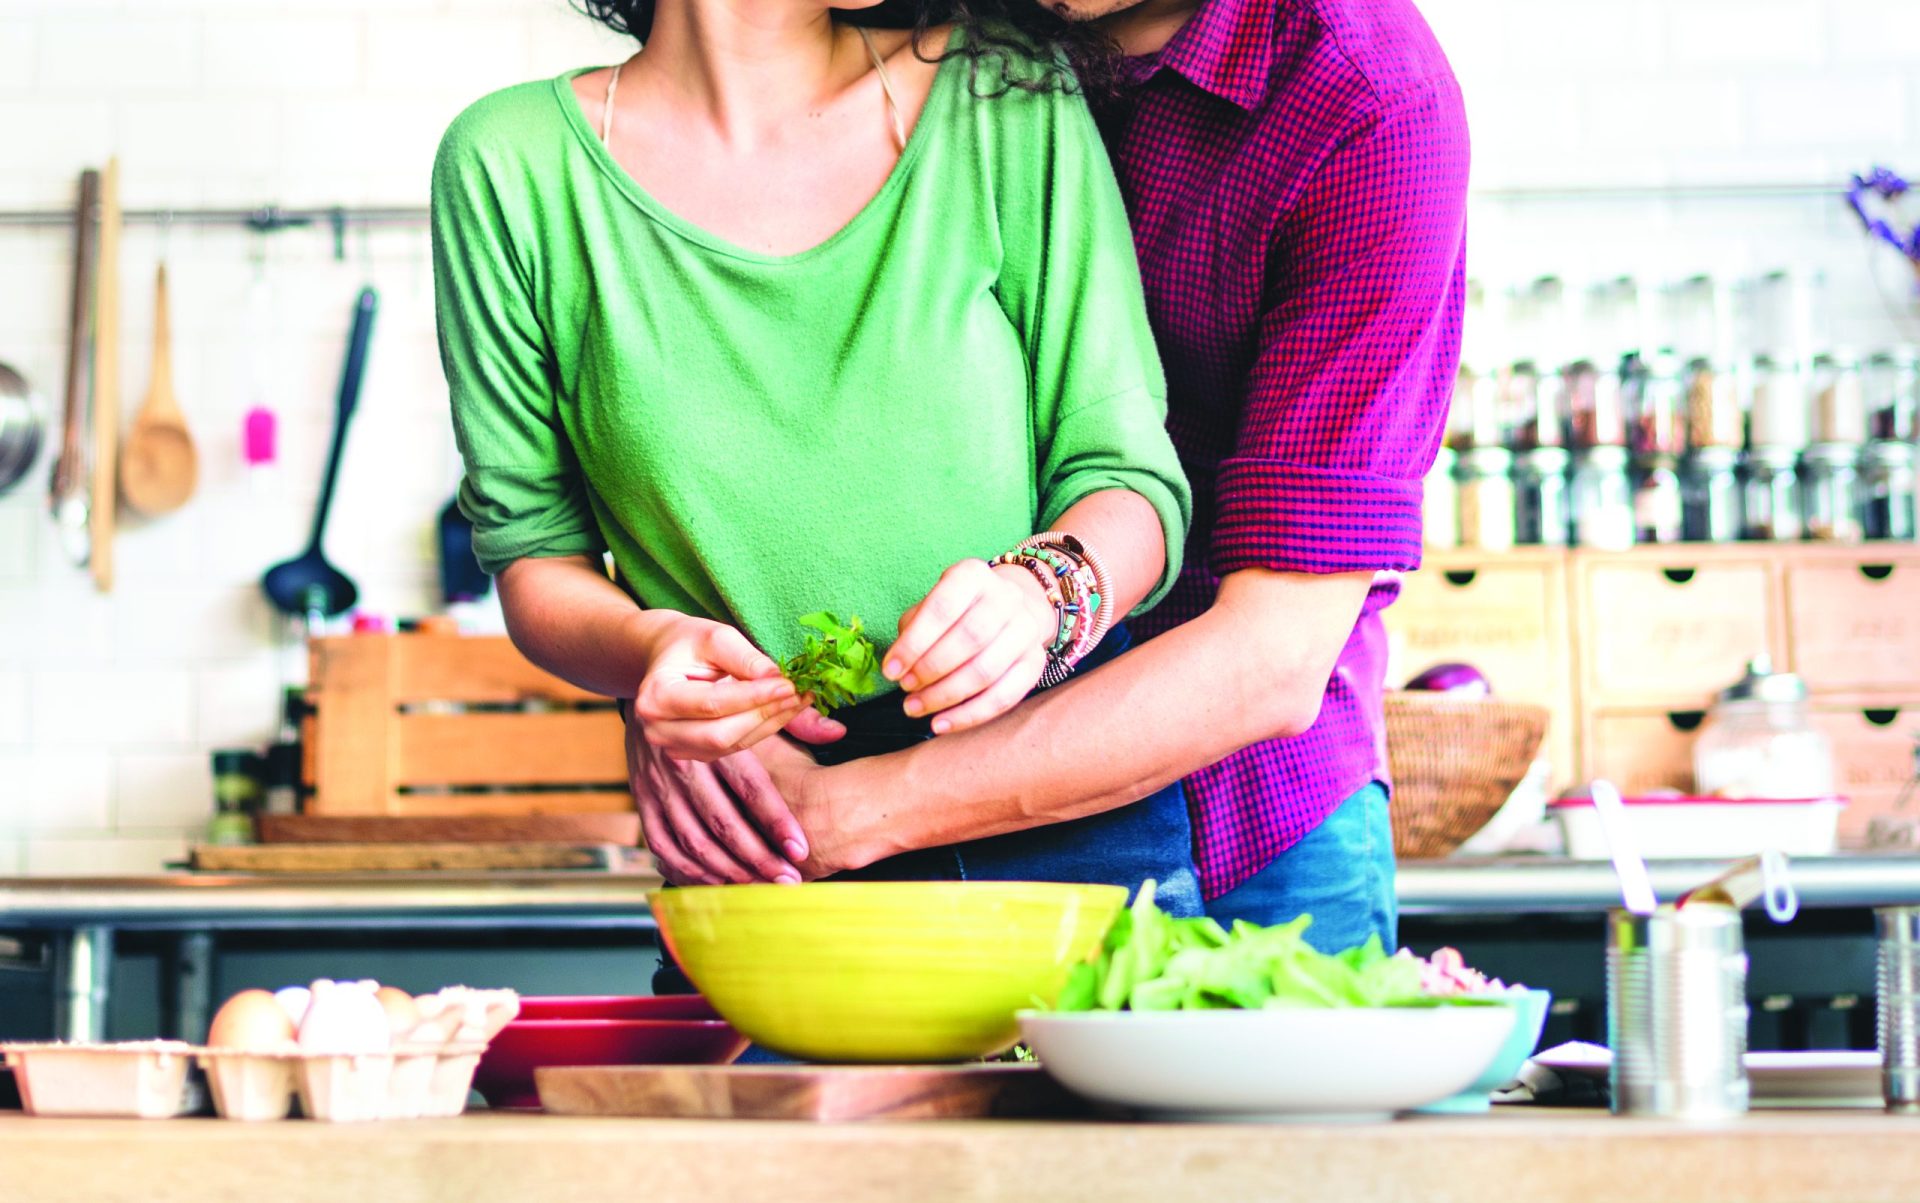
837,665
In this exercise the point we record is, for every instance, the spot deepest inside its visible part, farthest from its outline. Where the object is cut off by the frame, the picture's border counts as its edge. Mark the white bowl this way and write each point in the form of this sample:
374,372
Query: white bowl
1293,1063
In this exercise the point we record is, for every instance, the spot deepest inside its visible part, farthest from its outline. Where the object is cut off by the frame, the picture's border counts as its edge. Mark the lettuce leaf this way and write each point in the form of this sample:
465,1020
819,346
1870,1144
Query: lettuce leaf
837,665
1151,961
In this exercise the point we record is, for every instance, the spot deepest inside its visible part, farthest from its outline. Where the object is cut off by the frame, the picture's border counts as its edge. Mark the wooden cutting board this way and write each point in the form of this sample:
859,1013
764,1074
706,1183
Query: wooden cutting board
451,829
822,1093
411,858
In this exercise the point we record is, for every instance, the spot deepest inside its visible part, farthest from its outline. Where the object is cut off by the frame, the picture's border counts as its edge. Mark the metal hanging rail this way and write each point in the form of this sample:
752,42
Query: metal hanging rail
264,219
269,218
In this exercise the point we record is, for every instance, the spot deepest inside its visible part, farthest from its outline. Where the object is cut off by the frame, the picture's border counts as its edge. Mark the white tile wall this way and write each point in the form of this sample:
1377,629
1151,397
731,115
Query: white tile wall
108,706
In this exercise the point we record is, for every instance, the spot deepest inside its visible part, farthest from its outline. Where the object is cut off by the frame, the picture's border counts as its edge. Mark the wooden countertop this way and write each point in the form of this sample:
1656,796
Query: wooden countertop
1526,1154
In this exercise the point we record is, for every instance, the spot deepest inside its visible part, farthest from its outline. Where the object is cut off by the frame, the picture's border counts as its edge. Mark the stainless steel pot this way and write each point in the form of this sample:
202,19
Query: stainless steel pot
22,422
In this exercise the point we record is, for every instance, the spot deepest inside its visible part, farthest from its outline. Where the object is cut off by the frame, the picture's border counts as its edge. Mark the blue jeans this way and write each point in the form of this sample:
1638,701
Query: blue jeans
1341,874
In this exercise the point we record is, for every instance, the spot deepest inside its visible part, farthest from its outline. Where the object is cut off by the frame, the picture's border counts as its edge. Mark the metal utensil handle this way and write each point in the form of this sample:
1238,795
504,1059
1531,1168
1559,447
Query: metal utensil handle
69,470
1636,888
364,308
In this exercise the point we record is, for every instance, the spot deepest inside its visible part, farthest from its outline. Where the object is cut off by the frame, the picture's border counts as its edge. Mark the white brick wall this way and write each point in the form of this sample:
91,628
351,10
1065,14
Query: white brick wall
108,706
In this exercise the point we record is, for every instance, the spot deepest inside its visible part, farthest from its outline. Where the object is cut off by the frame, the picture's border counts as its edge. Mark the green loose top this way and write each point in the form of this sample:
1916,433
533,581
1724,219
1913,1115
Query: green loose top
755,437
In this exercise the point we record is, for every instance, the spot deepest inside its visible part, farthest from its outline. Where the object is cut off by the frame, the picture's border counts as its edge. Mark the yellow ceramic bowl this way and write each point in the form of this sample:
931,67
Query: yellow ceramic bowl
882,971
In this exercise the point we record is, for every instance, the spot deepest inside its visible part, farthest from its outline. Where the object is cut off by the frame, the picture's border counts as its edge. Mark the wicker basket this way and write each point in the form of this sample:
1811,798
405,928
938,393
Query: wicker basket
1454,762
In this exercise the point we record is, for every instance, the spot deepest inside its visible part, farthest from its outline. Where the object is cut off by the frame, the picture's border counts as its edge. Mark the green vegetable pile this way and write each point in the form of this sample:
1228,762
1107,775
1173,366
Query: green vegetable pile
837,665
1151,961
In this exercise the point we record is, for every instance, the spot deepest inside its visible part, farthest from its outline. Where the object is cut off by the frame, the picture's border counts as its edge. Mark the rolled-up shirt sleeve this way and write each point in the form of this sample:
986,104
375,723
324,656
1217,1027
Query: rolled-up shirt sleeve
1348,392
523,488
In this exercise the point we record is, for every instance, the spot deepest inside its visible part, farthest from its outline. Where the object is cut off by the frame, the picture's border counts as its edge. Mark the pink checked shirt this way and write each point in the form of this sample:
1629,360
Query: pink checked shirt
1296,172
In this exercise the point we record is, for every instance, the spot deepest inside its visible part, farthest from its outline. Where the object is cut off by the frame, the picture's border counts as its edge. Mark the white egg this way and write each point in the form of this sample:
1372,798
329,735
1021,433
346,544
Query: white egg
342,1018
293,1000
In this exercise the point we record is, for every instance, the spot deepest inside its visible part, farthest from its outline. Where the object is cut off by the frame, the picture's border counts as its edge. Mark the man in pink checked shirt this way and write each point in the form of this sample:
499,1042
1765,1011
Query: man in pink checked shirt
1295,171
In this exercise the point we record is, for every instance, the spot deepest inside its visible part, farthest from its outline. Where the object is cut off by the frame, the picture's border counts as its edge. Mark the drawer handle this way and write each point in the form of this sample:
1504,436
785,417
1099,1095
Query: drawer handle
1882,716
1678,576
1686,720
1460,577
1876,572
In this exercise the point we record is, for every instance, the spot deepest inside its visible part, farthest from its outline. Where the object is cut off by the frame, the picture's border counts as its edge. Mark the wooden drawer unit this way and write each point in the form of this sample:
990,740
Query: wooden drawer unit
1508,618
1670,632
1853,620
1641,750
454,725
1873,756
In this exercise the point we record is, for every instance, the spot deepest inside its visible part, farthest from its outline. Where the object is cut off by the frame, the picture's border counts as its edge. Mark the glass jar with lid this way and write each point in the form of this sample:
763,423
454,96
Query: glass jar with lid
1892,383
1776,404
1486,500
1830,490
1772,509
1759,741
1839,399
1887,489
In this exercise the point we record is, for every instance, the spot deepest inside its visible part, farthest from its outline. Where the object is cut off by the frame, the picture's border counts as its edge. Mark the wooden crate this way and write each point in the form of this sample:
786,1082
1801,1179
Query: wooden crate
417,724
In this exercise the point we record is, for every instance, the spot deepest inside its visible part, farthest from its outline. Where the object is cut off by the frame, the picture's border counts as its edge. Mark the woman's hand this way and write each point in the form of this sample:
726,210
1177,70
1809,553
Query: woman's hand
708,692
975,646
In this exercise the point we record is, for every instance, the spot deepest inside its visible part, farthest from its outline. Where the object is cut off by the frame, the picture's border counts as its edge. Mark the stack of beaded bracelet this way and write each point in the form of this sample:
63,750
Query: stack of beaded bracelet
1076,583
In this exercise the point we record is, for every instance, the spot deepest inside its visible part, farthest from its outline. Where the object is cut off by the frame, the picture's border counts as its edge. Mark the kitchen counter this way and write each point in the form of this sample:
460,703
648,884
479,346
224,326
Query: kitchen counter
82,916
1767,1157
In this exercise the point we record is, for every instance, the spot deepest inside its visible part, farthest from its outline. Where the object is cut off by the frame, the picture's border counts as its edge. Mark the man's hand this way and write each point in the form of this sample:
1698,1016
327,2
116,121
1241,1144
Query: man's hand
724,821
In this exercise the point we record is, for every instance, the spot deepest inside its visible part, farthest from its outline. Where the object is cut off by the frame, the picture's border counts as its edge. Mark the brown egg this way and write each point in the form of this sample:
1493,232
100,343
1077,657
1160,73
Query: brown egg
403,1014
251,1019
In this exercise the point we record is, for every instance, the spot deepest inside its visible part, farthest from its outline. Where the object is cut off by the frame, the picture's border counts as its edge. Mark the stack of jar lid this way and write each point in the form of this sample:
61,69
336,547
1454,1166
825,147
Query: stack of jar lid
1661,450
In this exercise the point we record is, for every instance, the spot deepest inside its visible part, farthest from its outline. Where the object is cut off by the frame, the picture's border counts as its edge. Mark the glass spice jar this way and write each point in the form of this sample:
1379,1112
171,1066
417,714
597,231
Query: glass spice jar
1713,407
1772,496
1486,500
1776,404
1658,510
1711,490
1659,419
1542,506
1595,414
1759,741
1830,493
1887,490
1839,399
1440,513
1892,384
1602,496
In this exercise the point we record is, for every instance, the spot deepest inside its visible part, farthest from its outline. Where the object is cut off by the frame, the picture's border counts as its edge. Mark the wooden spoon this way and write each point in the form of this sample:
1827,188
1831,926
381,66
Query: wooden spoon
158,465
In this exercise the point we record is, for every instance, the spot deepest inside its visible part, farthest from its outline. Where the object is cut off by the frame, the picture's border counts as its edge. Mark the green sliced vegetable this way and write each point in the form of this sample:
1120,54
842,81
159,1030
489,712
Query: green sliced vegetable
837,665
1151,961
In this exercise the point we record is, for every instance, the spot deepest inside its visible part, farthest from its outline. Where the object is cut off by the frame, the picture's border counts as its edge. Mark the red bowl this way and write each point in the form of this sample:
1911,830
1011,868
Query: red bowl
638,1006
505,1076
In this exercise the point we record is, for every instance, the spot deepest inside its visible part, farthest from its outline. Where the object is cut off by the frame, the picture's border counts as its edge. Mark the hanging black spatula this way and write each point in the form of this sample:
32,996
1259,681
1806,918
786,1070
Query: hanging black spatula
307,585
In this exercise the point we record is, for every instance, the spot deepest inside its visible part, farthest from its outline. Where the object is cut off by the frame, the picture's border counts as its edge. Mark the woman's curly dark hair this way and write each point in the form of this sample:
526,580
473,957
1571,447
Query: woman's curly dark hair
1008,34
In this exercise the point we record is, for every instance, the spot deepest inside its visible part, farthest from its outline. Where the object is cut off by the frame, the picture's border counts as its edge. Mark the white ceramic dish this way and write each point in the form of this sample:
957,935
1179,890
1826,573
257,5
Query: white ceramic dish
1669,827
1825,1076
1286,1063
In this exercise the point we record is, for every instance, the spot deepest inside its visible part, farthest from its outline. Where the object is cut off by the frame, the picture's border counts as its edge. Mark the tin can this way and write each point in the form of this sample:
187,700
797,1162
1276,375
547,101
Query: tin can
1898,1006
1677,1012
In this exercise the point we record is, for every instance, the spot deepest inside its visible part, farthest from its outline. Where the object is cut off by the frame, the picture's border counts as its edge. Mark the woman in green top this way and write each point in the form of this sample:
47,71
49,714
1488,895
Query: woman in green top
789,313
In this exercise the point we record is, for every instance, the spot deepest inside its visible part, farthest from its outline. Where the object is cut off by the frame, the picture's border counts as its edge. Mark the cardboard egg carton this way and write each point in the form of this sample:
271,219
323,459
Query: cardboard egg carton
425,1072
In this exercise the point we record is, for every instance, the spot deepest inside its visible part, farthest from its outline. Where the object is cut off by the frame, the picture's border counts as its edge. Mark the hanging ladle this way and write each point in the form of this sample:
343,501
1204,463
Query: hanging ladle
307,585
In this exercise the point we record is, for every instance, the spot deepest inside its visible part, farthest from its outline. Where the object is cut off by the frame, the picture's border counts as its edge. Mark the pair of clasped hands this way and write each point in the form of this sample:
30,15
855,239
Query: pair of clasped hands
709,782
